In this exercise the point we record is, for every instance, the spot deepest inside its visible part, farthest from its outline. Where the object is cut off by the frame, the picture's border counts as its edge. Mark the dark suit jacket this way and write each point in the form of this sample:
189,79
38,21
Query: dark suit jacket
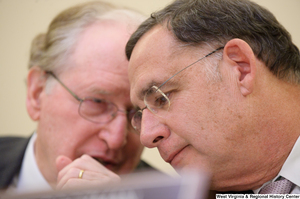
12,151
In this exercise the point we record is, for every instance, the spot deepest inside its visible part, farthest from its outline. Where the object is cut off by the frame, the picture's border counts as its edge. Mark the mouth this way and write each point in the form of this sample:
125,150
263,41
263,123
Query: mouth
107,163
173,155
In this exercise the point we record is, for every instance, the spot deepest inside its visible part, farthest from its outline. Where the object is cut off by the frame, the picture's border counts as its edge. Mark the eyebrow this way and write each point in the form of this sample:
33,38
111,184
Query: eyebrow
99,91
159,84
144,90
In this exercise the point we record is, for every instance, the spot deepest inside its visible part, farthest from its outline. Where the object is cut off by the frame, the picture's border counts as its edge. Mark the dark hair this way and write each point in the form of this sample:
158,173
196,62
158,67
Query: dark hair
197,22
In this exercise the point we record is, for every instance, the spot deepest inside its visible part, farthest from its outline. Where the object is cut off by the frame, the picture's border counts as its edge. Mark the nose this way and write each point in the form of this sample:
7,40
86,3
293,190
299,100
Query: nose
115,132
153,132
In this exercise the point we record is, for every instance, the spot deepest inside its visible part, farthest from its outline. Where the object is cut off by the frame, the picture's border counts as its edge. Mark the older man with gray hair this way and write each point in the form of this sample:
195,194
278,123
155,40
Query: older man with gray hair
78,92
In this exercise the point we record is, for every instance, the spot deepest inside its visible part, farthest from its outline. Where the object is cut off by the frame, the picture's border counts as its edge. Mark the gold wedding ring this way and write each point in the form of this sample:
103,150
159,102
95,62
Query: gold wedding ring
80,174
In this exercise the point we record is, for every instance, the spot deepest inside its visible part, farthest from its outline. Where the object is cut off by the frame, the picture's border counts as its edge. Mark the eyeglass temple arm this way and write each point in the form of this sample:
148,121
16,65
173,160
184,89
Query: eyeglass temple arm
191,65
73,94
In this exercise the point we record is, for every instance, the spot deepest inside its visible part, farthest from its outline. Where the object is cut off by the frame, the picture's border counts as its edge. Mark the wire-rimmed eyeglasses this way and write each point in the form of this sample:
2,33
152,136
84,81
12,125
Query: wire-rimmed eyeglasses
95,110
157,101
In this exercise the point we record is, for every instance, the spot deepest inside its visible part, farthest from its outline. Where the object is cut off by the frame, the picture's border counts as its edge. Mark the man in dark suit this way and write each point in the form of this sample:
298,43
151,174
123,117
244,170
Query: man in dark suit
78,92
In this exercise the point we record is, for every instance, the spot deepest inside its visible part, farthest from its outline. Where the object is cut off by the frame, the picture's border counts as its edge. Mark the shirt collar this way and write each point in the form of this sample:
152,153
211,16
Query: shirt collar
290,168
30,178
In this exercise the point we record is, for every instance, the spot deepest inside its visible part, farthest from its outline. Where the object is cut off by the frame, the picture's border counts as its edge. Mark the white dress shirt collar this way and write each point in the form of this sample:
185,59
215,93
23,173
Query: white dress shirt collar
30,178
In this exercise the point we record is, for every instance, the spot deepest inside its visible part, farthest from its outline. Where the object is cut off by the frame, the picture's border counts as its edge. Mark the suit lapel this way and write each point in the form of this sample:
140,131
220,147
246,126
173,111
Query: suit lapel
12,153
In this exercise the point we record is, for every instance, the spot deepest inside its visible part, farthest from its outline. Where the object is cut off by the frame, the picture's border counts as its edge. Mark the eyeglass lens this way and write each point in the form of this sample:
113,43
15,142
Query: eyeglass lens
156,101
96,110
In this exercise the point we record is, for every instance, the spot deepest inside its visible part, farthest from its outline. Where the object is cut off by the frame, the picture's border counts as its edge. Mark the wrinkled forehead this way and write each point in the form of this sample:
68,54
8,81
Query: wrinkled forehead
151,60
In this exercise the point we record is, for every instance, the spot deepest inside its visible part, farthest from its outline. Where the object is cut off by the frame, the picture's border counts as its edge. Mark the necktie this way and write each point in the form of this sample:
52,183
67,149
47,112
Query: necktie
281,186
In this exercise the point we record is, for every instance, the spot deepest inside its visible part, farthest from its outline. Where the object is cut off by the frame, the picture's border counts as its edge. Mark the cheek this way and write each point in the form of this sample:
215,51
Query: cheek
187,115
59,106
63,129
195,117
60,111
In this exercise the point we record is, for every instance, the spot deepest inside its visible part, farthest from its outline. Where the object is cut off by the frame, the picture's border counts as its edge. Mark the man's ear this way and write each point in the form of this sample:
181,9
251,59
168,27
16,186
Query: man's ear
35,86
239,55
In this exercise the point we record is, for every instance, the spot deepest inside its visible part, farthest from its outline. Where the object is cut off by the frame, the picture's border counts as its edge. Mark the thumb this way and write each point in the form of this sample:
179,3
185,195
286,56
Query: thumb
61,162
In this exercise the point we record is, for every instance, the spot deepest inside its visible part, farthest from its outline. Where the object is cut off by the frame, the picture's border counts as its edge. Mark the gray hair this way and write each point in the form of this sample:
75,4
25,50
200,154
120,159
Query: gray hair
50,51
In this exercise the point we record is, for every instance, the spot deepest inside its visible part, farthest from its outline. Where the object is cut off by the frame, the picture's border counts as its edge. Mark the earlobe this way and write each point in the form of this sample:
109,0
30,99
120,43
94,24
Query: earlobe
239,55
35,86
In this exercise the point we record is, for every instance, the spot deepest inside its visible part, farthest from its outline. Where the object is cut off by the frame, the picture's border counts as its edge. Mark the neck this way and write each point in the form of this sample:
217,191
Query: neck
273,128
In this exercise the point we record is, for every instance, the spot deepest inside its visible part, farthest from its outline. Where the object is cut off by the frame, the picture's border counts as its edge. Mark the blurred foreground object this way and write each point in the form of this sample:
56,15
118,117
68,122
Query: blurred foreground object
143,185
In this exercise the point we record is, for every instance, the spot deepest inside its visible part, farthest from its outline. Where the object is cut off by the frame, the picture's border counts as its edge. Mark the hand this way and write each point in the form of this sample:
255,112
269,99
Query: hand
94,174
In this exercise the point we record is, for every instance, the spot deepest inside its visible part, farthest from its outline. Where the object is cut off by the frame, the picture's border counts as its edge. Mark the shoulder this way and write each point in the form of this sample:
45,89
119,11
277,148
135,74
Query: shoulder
13,147
12,139
12,153
7,143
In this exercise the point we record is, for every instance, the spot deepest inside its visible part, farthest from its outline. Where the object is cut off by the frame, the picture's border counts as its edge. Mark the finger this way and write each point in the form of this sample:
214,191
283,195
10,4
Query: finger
61,162
93,165
89,179
69,176
86,162
94,172
76,183
69,169
71,179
